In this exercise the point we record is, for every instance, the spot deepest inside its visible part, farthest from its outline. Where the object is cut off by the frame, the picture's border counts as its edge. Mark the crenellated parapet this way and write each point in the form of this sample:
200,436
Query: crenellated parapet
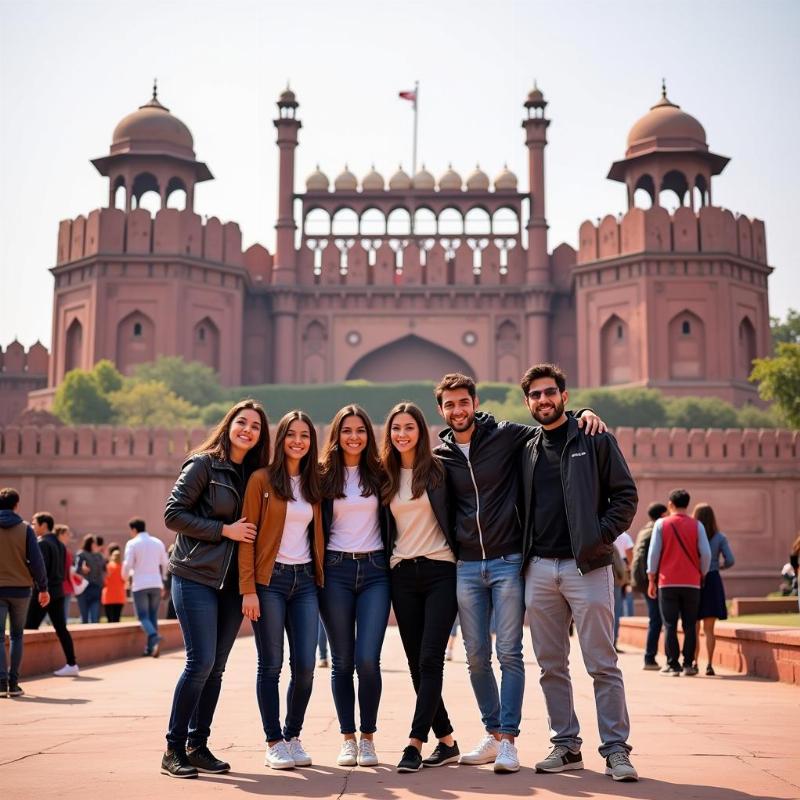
16,361
711,230
172,232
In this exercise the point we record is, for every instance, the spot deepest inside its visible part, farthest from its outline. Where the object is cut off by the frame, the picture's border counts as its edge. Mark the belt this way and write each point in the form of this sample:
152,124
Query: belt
359,556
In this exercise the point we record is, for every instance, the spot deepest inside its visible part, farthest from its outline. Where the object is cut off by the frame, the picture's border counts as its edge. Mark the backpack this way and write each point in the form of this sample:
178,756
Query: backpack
618,567
639,578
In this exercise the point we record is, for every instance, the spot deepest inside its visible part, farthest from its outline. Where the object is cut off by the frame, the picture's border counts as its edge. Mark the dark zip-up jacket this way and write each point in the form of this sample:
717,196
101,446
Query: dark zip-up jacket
54,555
483,488
442,510
600,496
206,496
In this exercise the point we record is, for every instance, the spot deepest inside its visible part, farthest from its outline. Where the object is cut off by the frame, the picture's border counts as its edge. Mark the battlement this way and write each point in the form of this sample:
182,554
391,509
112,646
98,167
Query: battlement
747,450
654,230
17,361
171,232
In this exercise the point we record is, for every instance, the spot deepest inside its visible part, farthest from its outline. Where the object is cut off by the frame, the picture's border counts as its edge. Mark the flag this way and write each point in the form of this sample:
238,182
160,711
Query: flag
409,95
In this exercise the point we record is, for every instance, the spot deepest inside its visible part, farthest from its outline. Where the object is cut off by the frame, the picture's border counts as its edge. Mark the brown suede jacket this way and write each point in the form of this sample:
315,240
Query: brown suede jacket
267,512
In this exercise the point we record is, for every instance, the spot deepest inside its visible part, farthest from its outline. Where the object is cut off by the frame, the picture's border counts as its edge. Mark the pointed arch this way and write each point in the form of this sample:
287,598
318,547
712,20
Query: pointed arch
205,343
73,346
615,352
687,346
746,349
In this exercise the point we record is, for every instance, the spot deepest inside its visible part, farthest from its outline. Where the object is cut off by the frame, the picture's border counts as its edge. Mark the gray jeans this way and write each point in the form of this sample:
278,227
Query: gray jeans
555,592
16,609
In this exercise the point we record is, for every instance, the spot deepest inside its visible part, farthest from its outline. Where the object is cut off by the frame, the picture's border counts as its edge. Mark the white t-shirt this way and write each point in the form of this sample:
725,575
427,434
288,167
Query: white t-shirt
464,448
355,527
295,547
146,559
623,543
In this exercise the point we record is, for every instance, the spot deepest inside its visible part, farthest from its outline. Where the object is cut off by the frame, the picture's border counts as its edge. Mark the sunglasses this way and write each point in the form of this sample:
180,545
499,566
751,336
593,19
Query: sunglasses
550,391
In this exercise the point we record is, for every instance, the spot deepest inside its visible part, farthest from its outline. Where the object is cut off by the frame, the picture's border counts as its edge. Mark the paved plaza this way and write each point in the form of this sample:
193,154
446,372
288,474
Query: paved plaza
101,736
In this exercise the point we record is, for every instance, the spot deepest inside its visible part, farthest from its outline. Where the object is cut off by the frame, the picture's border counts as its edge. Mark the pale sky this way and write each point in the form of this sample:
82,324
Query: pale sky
69,71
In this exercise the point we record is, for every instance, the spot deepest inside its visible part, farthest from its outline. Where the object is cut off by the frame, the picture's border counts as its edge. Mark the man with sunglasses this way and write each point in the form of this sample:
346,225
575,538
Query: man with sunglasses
577,495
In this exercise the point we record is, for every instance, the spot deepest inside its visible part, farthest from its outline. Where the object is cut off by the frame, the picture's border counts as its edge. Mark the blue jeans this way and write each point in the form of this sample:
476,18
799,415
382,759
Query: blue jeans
16,609
89,603
146,602
356,597
322,640
210,620
653,630
290,603
482,587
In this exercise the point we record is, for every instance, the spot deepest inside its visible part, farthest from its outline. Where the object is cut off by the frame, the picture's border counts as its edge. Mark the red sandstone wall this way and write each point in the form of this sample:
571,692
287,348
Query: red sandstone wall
95,478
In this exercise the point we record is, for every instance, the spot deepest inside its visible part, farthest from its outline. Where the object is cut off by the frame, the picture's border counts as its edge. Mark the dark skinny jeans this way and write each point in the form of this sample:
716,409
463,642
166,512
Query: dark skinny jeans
679,602
653,630
425,606
55,610
16,609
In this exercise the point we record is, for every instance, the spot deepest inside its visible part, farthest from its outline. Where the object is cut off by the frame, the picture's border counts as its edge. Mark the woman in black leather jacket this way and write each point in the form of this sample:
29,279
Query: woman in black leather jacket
205,510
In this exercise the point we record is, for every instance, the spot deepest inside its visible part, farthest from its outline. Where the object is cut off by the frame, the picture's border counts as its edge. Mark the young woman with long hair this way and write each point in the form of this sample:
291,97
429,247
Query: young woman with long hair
712,592
355,599
422,561
278,577
92,566
205,510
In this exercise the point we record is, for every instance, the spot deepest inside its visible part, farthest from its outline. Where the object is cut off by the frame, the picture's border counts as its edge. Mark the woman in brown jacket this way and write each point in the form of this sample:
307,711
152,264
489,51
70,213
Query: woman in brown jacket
278,577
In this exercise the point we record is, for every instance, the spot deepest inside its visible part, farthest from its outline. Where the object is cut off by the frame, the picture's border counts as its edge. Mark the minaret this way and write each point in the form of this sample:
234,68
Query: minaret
535,124
287,126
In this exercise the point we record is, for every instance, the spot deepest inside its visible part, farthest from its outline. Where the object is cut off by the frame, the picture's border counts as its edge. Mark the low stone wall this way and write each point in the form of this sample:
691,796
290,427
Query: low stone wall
762,605
95,644
747,649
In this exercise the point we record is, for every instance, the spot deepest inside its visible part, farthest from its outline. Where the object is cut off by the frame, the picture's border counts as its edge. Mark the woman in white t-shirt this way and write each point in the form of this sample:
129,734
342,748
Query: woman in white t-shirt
354,602
422,559
278,577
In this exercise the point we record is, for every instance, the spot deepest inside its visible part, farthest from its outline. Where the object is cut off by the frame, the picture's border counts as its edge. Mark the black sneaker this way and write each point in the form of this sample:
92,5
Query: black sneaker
205,761
442,754
671,671
175,763
3,687
690,669
14,689
411,760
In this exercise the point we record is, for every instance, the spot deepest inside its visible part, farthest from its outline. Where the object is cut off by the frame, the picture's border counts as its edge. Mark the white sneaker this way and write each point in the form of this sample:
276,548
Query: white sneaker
507,757
366,753
348,755
67,671
485,752
298,753
278,756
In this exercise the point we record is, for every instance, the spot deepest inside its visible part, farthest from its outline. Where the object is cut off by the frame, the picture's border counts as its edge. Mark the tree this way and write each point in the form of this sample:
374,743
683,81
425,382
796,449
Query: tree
778,379
108,378
80,399
788,331
151,403
191,380
700,412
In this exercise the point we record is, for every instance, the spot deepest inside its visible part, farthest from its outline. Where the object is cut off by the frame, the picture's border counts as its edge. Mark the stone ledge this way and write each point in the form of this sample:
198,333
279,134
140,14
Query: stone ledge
758,651
763,605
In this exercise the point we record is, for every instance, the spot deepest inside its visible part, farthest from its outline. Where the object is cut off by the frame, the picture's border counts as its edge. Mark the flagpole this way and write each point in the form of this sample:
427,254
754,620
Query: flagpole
414,150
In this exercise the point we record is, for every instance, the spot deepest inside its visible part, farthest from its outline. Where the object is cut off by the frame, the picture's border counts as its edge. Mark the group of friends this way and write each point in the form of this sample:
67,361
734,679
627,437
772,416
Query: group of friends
496,519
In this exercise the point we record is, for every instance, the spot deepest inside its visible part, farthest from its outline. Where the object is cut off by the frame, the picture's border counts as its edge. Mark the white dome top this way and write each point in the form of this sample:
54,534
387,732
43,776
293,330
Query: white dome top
477,180
317,181
506,180
373,181
400,181
424,180
450,181
345,181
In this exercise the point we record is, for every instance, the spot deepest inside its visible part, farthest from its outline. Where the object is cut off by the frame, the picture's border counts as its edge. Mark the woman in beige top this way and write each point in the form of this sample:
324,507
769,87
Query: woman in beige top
421,549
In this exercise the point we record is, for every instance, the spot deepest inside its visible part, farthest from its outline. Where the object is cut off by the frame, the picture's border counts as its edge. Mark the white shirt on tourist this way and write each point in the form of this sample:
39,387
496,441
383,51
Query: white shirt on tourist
295,547
145,559
623,543
355,527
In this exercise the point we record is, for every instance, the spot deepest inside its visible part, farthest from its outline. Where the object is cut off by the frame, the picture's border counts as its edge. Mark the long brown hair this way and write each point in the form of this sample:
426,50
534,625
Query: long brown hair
427,469
704,514
795,551
218,443
309,466
332,460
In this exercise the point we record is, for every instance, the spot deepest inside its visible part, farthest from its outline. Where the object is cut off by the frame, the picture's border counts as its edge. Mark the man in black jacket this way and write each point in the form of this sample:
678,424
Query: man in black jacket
577,497
481,458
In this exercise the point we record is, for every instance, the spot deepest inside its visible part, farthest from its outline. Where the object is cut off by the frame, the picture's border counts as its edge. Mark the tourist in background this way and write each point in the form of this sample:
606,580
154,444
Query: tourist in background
20,563
170,613
623,597
55,558
205,510
712,592
322,645
113,597
794,560
91,564
639,582
71,579
146,564
278,578
422,560
355,600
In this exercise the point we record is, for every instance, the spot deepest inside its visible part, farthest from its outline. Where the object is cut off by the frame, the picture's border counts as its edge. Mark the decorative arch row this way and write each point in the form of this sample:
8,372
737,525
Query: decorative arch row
146,192
695,194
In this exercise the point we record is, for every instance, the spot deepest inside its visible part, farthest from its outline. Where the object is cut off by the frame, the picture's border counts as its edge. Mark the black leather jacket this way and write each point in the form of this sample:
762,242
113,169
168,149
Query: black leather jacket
600,494
207,495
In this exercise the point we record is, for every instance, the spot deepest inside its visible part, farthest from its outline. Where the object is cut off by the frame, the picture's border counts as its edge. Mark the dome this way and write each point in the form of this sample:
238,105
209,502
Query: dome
535,98
317,181
287,97
477,180
346,181
399,182
152,129
506,181
424,180
450,181
373,181
666,127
